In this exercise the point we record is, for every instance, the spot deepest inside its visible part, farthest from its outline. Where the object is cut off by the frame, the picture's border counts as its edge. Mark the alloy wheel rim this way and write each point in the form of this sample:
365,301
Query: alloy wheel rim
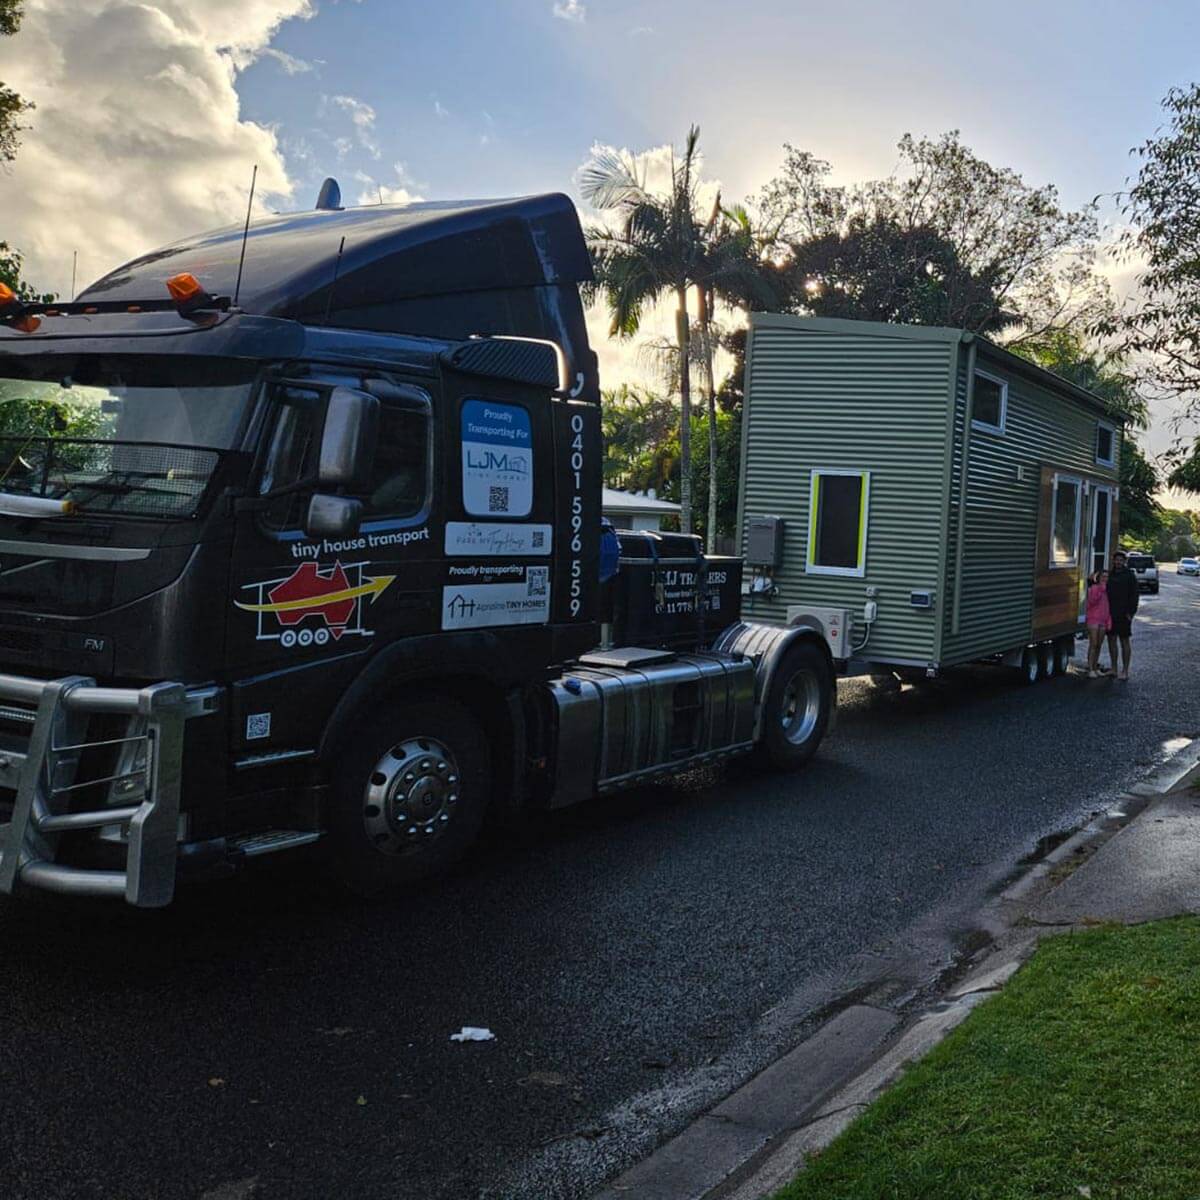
801,708
412,796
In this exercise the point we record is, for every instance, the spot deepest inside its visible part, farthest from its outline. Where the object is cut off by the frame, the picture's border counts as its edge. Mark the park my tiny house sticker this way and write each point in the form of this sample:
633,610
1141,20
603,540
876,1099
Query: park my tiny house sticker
497,459
314,605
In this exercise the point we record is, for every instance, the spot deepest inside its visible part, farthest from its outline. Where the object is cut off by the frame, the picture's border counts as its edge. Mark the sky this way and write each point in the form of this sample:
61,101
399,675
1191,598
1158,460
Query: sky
152,113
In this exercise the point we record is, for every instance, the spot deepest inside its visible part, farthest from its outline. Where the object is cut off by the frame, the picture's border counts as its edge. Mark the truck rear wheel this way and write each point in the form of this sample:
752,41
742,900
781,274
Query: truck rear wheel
796,710
409,797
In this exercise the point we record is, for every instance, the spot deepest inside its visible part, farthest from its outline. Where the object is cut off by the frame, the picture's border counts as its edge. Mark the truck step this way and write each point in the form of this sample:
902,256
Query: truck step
271,841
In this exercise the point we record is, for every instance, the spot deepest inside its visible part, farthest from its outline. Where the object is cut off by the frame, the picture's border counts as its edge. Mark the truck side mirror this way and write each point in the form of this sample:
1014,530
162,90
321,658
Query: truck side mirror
348,439
332,516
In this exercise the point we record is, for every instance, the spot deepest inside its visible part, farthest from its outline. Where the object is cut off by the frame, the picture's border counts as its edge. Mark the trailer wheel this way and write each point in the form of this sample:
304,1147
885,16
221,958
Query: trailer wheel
1047,663
410,795
1064,651
796,710
1031,665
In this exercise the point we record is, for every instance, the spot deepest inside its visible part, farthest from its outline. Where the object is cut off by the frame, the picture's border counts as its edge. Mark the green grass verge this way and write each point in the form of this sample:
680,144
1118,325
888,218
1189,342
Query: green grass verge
1081,1077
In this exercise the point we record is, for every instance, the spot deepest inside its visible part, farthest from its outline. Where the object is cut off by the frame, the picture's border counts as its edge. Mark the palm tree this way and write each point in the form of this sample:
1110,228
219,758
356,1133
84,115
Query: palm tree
658,247
662,246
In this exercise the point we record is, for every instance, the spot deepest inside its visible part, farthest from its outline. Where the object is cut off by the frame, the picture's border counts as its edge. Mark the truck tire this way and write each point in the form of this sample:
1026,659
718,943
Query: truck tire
409,796
795,713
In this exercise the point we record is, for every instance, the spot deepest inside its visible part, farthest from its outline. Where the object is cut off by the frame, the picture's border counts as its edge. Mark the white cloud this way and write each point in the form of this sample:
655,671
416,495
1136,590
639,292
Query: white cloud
137,138
570,10
439,110
289,63
641,31
363,117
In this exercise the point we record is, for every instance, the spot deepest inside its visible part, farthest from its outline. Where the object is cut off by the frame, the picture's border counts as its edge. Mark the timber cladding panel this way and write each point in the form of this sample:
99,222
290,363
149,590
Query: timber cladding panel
835,398
1056,589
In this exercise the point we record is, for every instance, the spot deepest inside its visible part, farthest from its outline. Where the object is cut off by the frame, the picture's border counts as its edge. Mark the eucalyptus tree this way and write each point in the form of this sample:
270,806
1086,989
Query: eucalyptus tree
12,106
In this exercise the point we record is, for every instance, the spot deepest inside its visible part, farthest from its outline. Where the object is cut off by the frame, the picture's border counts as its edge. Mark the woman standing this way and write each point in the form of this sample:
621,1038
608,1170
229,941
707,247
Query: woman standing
1099,619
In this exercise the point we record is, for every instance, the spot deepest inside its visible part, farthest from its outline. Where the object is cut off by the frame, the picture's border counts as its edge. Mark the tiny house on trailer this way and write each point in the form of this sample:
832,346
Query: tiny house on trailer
859,519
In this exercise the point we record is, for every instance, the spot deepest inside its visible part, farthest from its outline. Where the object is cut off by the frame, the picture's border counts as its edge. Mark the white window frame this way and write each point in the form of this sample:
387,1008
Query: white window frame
1079,501
987,426
1112,433
864,517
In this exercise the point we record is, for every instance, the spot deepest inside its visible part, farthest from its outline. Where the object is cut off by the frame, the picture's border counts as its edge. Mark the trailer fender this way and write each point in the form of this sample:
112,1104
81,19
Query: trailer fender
476,668
766,645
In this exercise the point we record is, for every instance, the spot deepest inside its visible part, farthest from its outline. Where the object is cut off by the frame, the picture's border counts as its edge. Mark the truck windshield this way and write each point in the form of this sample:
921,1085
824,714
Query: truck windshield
136,436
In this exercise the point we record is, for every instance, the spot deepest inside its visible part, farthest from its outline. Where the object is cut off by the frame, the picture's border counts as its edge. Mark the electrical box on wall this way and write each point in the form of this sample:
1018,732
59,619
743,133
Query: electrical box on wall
834,623
764,541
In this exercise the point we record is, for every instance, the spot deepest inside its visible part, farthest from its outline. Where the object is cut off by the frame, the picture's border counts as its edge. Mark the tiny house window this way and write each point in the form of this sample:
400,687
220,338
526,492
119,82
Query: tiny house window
990,407
837,522
1106,444
1066,508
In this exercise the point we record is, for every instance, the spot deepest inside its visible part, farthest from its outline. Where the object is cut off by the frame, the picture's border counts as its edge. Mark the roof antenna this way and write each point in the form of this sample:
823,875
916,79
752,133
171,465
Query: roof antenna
379,189
237,287
74,266
337,264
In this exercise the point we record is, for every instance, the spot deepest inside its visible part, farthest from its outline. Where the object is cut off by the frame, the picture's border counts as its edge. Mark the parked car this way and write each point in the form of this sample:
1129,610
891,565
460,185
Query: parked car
1188,566
1146,570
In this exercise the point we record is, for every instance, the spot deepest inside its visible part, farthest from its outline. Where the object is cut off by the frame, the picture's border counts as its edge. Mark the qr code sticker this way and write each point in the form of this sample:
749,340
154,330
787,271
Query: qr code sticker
535,581
258,725
498,499
538,539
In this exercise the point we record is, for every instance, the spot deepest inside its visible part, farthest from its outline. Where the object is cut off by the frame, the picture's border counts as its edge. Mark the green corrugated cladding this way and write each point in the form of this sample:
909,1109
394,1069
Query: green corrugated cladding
891,400
831,394
1043,427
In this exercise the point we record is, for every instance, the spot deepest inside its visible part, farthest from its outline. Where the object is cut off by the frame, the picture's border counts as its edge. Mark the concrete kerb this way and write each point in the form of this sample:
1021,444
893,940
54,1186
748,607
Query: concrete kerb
759,1137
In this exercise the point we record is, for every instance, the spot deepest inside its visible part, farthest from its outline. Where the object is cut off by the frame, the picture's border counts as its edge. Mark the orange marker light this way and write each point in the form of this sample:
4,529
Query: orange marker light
27,324
184,287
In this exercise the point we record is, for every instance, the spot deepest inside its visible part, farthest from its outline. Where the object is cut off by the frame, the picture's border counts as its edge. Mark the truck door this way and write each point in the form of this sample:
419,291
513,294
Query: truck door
522,515
304,612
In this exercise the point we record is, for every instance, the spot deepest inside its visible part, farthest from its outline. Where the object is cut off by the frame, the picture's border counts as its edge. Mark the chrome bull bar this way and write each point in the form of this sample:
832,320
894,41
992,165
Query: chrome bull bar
142,792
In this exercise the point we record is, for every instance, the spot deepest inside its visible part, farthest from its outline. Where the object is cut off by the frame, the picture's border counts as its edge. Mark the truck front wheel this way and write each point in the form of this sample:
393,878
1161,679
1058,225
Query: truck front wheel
796,709
409,796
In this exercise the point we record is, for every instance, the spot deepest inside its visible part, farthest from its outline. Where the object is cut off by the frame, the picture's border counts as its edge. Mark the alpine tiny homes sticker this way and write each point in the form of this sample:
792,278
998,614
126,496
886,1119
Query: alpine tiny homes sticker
497,459
520,597
314,604
491,538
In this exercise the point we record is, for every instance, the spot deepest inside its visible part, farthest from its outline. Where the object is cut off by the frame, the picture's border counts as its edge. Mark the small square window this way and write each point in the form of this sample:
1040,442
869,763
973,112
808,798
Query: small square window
991,403
1106,445
837,526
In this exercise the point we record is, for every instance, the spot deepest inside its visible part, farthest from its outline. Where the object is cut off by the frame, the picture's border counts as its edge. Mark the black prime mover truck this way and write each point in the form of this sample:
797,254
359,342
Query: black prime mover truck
301,542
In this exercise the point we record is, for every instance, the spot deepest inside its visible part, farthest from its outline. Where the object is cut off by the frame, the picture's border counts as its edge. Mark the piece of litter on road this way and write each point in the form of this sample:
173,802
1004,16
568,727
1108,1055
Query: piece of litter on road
361,1101
473,1033
216,1081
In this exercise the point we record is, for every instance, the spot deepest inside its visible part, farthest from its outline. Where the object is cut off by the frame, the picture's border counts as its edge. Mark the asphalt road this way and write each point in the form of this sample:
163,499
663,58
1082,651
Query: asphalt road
636,959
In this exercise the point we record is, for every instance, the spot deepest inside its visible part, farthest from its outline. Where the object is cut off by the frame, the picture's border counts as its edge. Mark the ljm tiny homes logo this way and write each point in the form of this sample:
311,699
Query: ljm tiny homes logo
498,462
313,605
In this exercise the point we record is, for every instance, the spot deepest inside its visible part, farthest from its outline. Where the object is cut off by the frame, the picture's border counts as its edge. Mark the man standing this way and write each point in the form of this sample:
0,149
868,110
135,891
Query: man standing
1122,604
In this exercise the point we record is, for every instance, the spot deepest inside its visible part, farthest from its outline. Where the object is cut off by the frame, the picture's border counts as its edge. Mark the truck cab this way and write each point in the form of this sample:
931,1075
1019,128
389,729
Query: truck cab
299,531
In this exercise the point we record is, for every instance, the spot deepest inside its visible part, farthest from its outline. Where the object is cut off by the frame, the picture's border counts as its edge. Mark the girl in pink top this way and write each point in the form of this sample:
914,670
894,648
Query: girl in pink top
1099,619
